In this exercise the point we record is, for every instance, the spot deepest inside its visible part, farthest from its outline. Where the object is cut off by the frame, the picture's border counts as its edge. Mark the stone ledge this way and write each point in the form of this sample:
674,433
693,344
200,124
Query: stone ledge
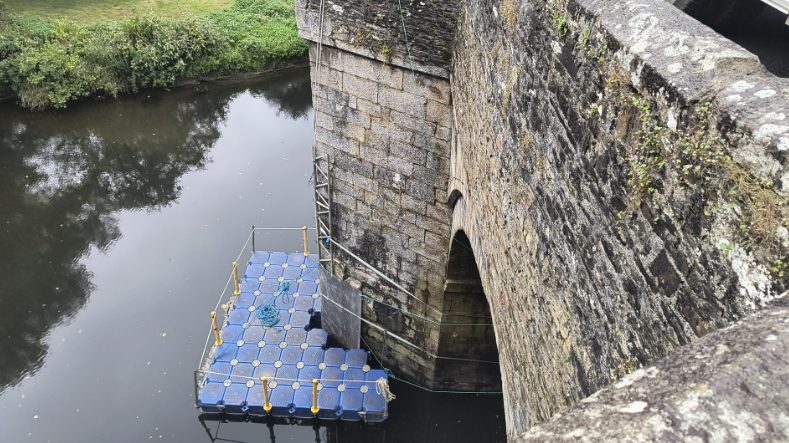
731,385
672,55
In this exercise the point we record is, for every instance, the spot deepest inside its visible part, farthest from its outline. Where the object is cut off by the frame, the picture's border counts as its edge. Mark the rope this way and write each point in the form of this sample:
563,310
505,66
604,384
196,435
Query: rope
395,377
268,315
382,275
403,339
424,318
382,388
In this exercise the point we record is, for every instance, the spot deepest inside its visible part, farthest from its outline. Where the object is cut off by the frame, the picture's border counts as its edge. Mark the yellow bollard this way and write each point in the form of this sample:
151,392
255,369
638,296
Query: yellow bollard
315,407
235,278
306,252
216,329
266,404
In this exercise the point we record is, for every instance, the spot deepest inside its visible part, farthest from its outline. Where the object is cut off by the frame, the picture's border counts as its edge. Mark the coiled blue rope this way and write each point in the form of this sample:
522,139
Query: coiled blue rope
268,314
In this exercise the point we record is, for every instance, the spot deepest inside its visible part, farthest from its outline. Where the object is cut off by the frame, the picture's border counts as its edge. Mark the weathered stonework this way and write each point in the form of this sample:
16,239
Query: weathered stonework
389,173
729,386
374,29
618,169
547,130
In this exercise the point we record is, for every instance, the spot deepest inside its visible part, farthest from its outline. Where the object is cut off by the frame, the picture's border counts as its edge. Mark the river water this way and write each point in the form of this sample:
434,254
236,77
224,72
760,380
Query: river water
118,223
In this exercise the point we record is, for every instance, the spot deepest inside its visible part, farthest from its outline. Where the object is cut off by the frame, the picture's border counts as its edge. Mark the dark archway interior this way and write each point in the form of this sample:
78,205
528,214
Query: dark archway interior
467,333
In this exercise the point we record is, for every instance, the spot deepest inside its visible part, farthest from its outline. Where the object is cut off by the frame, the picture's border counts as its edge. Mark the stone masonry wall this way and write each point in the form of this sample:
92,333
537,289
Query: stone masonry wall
622,172
374,29
388,201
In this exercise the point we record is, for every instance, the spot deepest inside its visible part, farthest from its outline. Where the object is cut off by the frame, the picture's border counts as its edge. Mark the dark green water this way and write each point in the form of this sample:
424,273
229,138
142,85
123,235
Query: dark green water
118,223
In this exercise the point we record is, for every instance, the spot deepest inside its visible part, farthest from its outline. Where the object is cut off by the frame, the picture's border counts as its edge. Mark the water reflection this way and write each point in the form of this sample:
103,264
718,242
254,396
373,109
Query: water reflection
65,175
414,417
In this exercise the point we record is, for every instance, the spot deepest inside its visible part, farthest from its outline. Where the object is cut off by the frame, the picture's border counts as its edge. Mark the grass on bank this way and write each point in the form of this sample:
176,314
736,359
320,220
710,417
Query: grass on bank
89,11
47,63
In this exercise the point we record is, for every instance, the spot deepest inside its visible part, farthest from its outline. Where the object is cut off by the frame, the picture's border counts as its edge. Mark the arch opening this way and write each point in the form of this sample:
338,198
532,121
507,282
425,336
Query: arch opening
467,333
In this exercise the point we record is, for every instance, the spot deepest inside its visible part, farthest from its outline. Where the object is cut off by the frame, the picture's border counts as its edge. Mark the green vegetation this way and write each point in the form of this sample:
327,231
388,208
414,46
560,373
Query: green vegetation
625,367
89,11
46,63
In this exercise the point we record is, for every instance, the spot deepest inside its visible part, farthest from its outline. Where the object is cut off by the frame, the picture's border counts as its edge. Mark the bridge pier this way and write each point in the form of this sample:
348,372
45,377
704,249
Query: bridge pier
604,162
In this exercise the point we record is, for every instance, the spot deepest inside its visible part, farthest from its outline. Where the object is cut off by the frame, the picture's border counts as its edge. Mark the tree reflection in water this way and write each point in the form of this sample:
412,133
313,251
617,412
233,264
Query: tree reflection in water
64,176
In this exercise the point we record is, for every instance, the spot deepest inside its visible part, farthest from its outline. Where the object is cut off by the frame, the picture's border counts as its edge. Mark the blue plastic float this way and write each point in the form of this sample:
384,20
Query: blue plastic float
290,354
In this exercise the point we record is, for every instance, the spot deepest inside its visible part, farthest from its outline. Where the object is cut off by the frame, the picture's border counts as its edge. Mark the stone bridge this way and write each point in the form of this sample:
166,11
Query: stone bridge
570,189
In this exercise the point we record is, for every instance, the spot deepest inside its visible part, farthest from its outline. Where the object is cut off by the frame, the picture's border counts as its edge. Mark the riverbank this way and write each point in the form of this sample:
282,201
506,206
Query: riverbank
47,63
89,11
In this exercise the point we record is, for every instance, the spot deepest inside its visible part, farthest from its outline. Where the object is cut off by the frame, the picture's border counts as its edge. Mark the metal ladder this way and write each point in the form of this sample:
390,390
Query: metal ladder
323,213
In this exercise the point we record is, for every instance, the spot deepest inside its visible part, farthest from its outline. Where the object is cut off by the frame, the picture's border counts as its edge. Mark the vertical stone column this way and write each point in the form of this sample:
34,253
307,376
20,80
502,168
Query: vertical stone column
389,150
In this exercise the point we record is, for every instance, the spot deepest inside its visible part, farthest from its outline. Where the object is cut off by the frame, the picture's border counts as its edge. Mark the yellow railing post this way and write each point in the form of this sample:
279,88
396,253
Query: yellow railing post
266,404
216,329
306,252
235,278
315,407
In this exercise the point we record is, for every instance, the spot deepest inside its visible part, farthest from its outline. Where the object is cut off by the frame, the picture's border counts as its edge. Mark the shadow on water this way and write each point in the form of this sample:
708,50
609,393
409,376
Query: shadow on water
414,417
63,177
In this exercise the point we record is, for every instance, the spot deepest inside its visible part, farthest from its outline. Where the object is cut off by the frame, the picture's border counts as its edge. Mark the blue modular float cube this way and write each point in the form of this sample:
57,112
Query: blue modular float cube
278,258
225,352
254,271
374,406
255,400
374,375
284,301
353,378
303,303
274,335
210,399
307,288
310,274
236,399
291,355
254,334
296,336
238,316
302,402
356,358
241,373
273,272
292,273
244,300
219,372
317,338
351,402
249,285
313,356
331,377
296,259
232,333
287,374
309,373
334,357
284,318
317,304
299,319
311,261
269,353
269,286
259,257
281,399
329,403
248,352
267,370
264,298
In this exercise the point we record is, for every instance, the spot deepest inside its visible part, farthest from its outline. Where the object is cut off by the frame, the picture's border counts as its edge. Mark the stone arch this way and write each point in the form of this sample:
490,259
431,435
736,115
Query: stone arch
468,333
